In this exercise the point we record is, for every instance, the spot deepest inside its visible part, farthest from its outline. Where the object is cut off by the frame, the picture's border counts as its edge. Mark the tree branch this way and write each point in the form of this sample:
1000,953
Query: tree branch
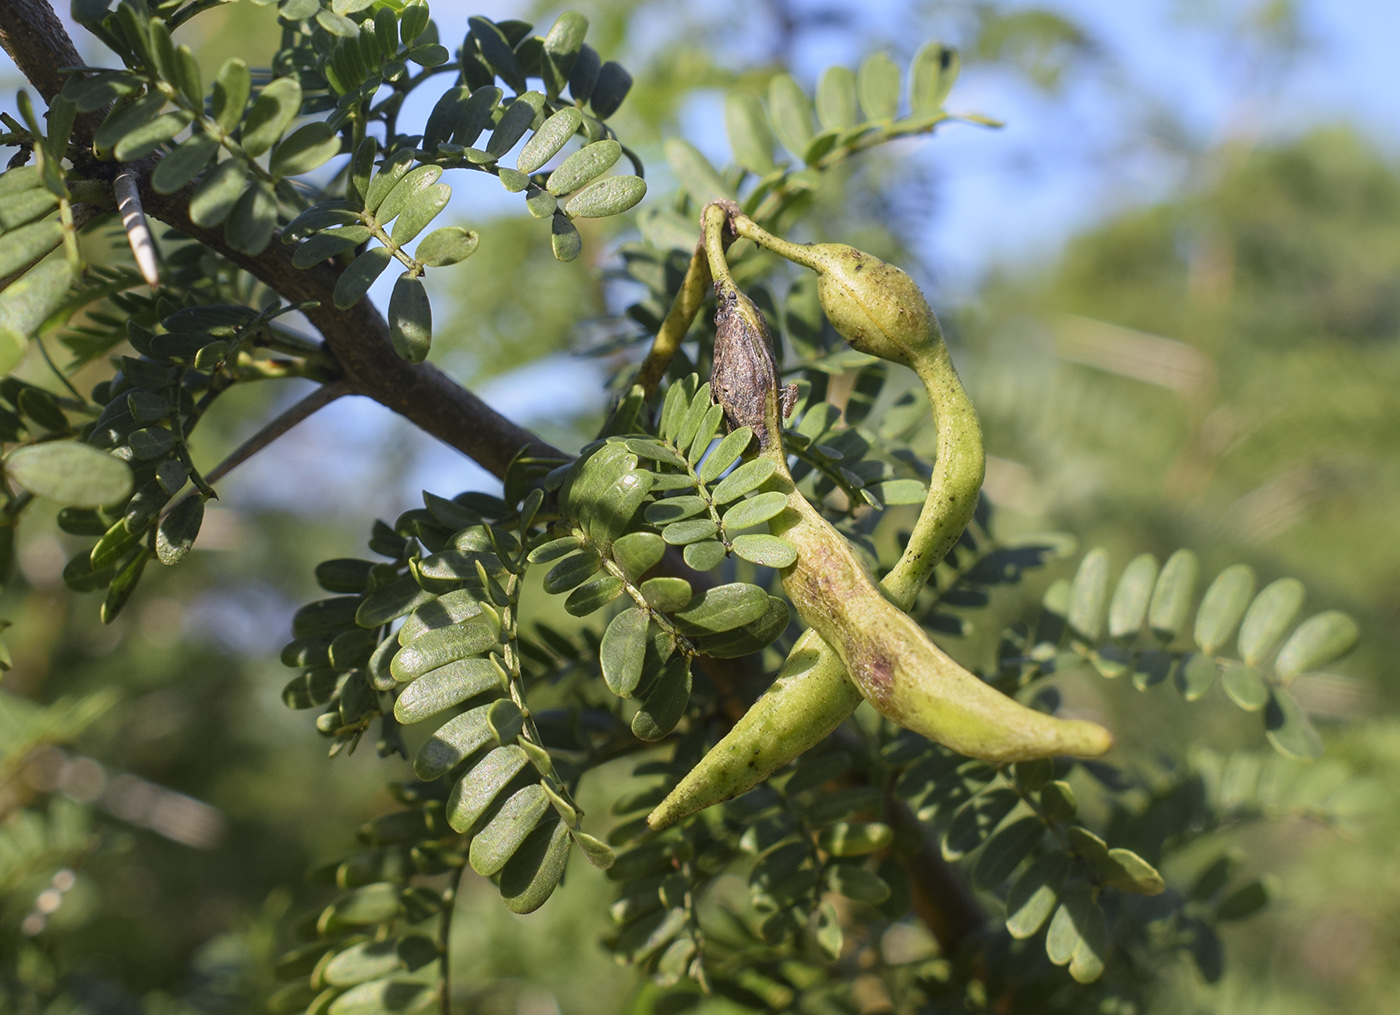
358,338
322,396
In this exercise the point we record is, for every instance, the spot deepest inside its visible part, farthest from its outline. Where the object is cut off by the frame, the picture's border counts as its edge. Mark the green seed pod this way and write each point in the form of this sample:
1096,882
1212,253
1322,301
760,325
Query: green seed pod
859,639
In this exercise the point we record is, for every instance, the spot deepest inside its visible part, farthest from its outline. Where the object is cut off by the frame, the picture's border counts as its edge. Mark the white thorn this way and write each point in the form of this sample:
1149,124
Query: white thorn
137,234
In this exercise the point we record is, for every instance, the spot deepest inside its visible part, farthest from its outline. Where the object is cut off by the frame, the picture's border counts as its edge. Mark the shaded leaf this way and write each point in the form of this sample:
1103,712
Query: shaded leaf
70,472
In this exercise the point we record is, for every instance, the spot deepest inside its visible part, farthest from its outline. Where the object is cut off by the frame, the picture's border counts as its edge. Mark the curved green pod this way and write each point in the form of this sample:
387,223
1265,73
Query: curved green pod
860,643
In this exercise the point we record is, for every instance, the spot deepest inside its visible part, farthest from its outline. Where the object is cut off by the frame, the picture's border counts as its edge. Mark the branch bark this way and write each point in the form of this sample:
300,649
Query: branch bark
358,338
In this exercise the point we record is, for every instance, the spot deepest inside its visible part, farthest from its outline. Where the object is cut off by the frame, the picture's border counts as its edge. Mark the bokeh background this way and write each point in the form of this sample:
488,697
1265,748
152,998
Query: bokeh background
1172,280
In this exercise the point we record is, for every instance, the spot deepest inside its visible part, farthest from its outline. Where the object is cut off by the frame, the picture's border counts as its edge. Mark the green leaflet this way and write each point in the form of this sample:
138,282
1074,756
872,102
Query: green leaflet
877,85
306,148
553,134
1223,606
410,318
611,196
273,111
71,473
749,136
624,650
836,99
792,114
588,163
356,279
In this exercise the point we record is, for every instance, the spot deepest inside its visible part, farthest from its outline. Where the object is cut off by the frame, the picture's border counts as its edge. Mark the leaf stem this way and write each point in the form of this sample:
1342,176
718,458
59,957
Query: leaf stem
689,298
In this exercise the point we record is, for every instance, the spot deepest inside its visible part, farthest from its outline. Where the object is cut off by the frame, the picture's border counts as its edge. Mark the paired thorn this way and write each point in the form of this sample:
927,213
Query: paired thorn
138,234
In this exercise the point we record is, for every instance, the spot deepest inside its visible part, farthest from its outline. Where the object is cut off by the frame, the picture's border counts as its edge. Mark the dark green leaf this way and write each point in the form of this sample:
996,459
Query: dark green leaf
475,115
561,49
184,163
572,571
390,175
530,876
498,53
611,196
232,85
253,219
564,238
593,595
638,552
1004,852
306,148
176,533
139,143
217,193
445,246
391,602
445,687
665,702
507,830
420,209
514,122
705,555
272,113
857,883
474,793
611,87
356,279
722,608
123,585
666,594
553,134
122,120
28,244
975,820
151,442
410,318
455,741
747,477
381,996
406,191
1244,902
440,647
623,650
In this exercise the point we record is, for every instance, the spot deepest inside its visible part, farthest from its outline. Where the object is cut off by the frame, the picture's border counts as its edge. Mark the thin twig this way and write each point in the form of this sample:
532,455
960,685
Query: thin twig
43,351
323,396
694,288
